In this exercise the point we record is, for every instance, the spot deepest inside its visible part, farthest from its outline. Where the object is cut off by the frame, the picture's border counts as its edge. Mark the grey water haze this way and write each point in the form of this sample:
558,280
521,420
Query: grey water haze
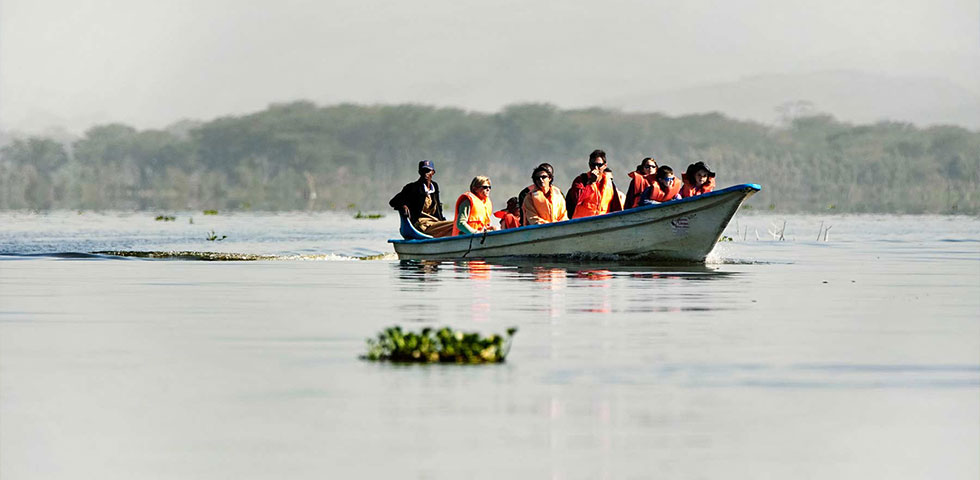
856,357
72,65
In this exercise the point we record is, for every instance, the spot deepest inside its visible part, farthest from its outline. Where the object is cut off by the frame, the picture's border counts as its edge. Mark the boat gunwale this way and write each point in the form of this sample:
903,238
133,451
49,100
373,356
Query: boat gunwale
741,187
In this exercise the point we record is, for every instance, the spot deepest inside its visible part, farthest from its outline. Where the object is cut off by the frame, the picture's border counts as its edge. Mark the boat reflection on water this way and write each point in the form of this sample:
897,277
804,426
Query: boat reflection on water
475,269
554,277
419,270
479,288
552,272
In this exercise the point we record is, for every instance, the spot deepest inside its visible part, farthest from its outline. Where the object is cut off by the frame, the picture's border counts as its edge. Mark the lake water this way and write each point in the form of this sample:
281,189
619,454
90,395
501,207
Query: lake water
852,358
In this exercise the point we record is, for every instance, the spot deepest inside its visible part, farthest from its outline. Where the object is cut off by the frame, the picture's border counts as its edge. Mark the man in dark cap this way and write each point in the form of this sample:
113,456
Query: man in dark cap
419,201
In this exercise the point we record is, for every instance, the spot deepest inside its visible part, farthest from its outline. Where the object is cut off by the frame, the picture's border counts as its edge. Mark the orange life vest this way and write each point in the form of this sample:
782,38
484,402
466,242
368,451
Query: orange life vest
640,183
658,195
549,209
594,199
480,211
689,190
507,219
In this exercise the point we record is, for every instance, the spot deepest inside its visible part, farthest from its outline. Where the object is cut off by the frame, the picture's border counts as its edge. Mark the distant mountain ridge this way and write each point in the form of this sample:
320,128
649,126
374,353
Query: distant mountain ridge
850,96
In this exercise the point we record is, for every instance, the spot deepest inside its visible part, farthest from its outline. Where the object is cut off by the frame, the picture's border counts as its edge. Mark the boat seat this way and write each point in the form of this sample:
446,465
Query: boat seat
408,231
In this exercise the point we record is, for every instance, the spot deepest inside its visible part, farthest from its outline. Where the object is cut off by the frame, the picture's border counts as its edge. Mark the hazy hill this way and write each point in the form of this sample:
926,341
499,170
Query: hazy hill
849,96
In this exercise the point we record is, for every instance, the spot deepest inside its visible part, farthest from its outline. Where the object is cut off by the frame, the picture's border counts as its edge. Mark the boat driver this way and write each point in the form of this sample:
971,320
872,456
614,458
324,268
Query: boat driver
419,201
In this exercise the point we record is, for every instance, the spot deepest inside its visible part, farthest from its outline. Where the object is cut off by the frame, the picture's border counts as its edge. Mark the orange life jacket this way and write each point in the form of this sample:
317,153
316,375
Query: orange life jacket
480,211
640,183
594,199
549,209
507,219
689,190
658,195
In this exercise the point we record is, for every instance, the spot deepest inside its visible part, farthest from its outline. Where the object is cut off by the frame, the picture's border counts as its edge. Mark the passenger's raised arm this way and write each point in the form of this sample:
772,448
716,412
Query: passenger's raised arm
593,192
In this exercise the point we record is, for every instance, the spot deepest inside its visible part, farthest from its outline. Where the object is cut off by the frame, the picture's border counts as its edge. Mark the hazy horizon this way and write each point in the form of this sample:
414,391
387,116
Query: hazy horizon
150,64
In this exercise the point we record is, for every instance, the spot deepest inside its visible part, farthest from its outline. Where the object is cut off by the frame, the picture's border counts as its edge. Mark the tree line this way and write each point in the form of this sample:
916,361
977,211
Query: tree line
300,156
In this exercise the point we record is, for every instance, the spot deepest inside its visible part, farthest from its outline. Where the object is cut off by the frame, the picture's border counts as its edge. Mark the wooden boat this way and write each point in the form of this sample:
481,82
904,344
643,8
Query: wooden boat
680,230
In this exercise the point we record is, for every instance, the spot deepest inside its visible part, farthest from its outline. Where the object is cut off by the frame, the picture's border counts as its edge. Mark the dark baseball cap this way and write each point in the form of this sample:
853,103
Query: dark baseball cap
426,165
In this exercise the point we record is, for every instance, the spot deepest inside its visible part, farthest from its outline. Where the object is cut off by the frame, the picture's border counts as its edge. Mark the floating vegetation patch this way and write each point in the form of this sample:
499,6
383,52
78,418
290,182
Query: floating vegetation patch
438,346
380,256
165,218
368,216
179,255
725,238
213,237
210,212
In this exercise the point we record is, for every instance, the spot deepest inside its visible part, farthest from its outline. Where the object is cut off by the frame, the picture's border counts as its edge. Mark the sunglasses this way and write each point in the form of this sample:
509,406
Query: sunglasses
596,165
668,180
485,187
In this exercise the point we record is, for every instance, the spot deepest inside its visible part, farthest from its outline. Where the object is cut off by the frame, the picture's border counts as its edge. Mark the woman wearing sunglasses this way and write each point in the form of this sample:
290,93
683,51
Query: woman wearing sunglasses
523,195
641,179
474,209
543,203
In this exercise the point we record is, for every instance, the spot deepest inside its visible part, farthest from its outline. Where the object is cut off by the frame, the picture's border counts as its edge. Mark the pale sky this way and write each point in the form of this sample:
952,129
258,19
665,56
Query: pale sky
149,63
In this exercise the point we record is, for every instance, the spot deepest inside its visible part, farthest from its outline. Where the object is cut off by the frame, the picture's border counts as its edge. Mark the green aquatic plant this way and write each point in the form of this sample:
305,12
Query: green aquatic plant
725,238
165,218
438,346
212,237
368,216
210,212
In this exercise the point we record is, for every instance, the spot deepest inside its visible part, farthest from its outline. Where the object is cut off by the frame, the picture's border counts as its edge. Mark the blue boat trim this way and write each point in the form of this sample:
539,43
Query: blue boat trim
745,186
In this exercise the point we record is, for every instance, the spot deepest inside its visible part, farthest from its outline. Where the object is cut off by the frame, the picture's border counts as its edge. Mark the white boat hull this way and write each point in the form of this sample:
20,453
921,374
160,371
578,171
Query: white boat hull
682,230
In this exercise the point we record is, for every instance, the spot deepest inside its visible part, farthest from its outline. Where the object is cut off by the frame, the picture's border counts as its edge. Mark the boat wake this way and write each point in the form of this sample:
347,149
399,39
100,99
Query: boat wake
200,256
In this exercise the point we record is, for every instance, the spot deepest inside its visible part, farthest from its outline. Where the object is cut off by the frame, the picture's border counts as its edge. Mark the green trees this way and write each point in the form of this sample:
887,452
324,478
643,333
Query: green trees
32,174
298,156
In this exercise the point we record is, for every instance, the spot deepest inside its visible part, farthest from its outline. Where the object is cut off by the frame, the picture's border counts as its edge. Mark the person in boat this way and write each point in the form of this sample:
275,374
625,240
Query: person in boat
419,201
664,188
510,217
698,179
474,209
640,180
521,196
544,203
594,192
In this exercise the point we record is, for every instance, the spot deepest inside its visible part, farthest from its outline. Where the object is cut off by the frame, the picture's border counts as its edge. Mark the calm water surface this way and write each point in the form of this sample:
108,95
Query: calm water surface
858,357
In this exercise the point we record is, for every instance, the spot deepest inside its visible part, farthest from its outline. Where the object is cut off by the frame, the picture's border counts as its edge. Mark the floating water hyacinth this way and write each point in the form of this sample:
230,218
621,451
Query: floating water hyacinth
368,216
165,218
438,346
210,212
